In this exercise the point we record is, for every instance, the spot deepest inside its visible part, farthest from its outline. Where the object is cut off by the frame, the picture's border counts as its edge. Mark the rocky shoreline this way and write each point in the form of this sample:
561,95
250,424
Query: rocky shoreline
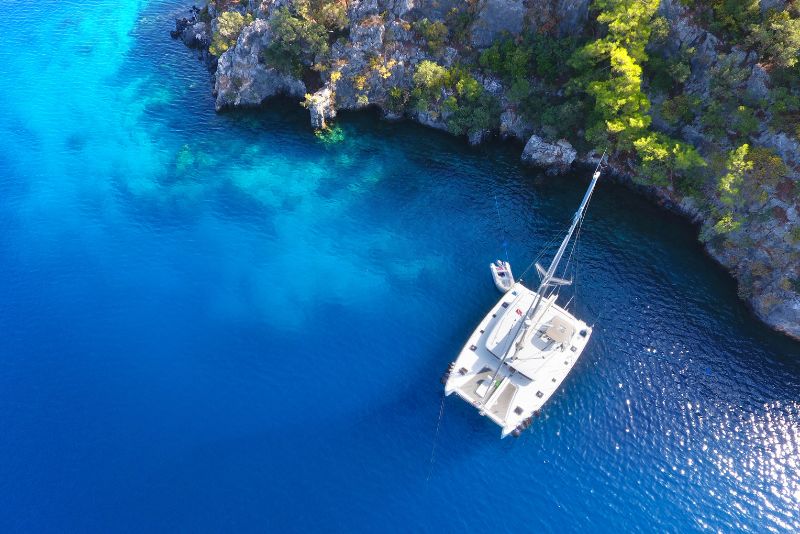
374,61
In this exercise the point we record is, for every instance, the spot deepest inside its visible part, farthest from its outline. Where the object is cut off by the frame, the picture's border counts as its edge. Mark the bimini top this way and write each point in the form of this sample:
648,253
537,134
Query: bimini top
560,330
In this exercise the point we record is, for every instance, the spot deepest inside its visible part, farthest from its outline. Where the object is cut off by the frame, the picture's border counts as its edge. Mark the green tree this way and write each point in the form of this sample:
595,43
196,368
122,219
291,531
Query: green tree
767,167
469,107
620,103
730,184
785,109
229,25
434,33
729,189
330,13
664,158
509,59
777,38
297,40
745,122
429,79
620,107
628,24
680,109
734,17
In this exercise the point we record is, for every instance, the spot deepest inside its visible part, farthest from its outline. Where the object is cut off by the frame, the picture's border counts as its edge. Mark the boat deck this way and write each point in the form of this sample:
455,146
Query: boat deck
534,369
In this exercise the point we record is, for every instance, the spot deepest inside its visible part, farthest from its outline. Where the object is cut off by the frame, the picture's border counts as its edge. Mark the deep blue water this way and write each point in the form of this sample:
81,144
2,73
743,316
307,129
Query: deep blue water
219,322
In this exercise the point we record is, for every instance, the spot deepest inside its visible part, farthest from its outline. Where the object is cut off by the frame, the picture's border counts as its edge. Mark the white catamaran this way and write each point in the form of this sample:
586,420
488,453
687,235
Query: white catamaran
523,349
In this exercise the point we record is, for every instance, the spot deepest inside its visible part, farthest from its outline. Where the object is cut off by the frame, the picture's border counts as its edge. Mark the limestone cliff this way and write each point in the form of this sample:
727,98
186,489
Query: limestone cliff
371,51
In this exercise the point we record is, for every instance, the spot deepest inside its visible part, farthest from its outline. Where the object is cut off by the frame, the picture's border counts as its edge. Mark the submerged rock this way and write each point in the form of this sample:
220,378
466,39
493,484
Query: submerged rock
556,157
372,63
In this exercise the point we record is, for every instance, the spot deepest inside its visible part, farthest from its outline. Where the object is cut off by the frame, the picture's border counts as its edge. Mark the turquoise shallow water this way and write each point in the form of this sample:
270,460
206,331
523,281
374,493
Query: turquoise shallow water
217,322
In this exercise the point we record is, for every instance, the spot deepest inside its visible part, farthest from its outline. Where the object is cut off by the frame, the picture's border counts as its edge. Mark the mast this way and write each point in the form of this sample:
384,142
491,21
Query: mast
548,279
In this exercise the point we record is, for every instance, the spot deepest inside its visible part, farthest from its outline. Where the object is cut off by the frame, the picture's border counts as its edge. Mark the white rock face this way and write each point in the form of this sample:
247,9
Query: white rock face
572,15
477,137
243,80
496,17
359,9
556,157
401,7
321,108
758,83
367,37
514,125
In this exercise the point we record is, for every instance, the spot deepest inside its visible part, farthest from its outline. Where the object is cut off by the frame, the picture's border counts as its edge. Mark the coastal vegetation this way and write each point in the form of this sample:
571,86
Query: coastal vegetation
302,34
696,100
594,87
229,25
467,105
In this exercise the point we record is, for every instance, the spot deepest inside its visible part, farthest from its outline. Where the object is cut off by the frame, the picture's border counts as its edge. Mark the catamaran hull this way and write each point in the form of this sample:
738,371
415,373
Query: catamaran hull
524,348
511,395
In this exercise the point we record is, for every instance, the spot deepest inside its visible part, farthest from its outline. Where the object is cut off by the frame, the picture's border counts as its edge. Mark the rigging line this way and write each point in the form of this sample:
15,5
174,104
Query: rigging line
502,228
541,254
523,325
545,250
575,272
586,200
574,246
436,439
573,254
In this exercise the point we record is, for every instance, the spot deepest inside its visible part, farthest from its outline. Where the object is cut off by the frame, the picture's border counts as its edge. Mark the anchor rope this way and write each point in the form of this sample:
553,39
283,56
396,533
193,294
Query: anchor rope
436,439
502,227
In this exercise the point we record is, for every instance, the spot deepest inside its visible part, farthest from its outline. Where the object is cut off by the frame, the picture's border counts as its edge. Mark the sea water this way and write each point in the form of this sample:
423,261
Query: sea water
220,322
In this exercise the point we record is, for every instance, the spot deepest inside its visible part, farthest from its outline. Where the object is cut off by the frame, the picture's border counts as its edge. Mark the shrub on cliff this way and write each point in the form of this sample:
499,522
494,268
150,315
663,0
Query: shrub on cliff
767,167
229,25
563,119
459,20
748,173
785,110
777,38
729,189
470,109
745,122
664,159
303,33
542,56
330,13
510,60
728,18
429,80
434,33
667,74
680,109
297,39
537,54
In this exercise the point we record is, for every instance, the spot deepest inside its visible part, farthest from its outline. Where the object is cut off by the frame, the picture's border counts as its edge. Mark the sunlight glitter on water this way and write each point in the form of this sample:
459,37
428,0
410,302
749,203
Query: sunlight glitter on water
171,276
